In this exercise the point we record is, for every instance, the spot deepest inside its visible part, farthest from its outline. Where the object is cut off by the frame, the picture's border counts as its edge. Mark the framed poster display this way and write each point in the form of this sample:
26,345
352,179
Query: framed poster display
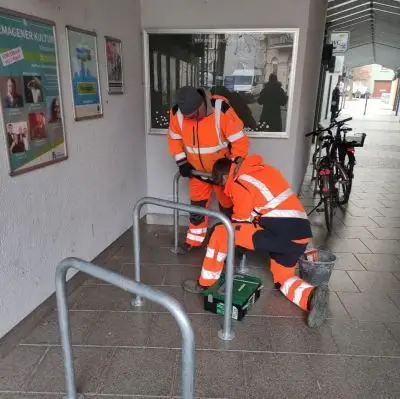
254,69
30,92
340,41
114,65
84,66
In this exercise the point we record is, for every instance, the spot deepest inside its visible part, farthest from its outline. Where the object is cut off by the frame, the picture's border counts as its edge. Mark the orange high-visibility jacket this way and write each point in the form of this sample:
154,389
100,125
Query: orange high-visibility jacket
260,193
219,134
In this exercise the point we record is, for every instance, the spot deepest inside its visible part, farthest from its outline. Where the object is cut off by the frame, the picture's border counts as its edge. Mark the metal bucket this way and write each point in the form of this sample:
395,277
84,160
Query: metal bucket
317,272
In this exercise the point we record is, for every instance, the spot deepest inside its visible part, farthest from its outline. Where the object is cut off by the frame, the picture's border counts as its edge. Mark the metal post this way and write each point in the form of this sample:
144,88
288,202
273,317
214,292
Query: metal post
137,301
226,333
321,84
243,269
173,306
320,95
366,103
344,97
175,188
63,320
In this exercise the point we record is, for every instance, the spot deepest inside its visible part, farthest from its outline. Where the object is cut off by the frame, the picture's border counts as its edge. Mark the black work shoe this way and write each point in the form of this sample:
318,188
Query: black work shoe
277,286
193,286
318,306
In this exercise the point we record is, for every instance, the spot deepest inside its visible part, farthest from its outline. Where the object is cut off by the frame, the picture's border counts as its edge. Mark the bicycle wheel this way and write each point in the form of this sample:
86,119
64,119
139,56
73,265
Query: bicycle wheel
328,193
341,183
314,156
329,212
347,160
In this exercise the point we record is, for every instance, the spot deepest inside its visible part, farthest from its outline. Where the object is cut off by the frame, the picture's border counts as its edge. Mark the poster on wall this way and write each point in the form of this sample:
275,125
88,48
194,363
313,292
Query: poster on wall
30,93
84,65
340,41
114,65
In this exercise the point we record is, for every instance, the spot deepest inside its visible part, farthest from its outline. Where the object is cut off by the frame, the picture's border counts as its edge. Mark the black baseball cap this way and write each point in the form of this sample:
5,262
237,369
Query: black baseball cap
189,99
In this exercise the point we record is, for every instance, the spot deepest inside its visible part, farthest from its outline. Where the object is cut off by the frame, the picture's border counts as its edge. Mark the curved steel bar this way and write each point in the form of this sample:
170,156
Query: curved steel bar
175,189
226,333
171,304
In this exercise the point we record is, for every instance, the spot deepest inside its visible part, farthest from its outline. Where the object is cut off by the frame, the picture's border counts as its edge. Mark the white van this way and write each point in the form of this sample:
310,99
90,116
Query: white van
248,83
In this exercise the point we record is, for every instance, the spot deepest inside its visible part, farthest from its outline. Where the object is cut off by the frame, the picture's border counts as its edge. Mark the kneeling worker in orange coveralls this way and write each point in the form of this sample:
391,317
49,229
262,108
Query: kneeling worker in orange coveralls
267,216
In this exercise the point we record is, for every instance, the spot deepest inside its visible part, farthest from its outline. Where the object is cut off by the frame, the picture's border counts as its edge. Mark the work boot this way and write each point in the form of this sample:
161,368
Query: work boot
318,306
193,286
186,248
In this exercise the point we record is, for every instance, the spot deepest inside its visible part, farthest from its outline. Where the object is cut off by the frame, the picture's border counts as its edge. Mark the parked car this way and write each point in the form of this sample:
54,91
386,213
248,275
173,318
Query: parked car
248,83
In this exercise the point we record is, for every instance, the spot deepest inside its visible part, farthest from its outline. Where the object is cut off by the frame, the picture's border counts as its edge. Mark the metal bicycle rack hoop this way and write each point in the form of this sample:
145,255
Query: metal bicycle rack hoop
226,332
126,284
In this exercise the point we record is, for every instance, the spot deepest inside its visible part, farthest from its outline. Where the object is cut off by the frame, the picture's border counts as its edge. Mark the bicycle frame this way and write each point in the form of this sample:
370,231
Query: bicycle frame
333,175
326,179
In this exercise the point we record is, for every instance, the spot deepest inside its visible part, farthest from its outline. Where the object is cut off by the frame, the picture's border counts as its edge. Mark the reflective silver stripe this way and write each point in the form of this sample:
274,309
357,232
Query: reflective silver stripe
298,292
210,253
180,156
258,184
217,116
179,116
207,275
198,231
221,256
286,213
195,238
279,199
206,150
273,202
243,220
236,136
285,287
174,136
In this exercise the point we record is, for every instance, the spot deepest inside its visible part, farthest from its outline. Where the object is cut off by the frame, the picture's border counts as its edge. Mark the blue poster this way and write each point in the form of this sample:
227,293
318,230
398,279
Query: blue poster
84,74
30,93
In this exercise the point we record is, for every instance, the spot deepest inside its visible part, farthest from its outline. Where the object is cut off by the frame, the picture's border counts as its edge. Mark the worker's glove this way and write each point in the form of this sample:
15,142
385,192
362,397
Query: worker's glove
186,169
238,161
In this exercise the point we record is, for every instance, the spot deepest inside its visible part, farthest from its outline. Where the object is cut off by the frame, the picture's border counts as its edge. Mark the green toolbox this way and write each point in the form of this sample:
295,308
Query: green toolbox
246,291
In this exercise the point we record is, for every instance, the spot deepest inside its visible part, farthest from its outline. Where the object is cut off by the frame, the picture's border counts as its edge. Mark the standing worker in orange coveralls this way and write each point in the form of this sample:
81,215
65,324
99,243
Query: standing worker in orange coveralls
203,129
267,216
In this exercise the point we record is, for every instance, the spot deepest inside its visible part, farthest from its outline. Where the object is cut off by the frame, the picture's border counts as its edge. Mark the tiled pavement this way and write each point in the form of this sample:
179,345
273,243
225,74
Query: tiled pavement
120,352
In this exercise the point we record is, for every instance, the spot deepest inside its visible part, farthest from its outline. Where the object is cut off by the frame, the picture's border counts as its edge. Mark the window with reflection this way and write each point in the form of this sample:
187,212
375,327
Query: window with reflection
253,70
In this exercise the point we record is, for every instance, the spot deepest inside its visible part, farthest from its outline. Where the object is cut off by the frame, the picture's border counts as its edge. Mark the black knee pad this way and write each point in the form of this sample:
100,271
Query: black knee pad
211,230
196,218
226,211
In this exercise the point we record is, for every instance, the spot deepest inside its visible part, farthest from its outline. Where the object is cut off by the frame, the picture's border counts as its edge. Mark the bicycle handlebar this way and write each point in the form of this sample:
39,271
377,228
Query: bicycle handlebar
343,121
332,125
318,132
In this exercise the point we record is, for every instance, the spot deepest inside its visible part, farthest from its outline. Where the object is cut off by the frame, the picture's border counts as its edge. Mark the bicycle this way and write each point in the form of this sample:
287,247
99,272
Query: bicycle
334,170
344,148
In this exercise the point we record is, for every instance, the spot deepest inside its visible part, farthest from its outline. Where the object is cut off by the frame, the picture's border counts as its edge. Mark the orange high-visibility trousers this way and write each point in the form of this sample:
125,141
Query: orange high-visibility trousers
200,195
294,288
